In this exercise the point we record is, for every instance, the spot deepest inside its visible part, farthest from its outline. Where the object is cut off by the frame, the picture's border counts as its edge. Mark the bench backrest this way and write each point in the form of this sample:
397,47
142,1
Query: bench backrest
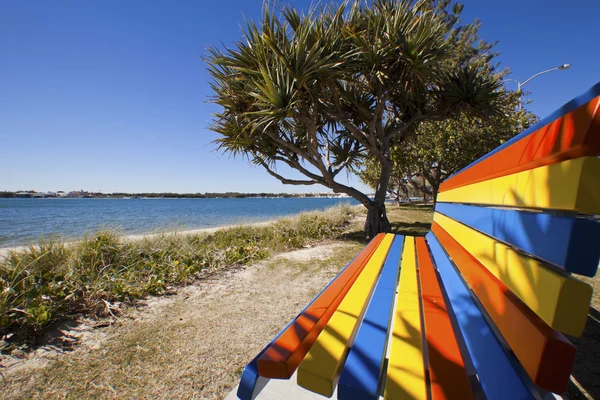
482,301
517,224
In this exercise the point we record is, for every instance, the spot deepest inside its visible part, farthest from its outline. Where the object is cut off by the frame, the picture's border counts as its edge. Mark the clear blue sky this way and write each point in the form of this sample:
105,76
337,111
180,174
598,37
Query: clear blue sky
112,95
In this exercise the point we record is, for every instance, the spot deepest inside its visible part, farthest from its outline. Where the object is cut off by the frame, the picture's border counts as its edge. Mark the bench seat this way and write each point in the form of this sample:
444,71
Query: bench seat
480,306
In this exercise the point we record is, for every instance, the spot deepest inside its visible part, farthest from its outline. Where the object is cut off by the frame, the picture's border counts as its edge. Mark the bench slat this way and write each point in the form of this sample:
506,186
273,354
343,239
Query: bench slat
499,380
572,185
406,372
546,355
562,302
480,297
449,379
558,239
282,357
360,376
319,371
571,131
251,383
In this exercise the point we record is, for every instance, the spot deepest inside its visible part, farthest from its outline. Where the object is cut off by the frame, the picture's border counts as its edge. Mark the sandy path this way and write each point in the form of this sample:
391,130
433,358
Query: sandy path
190,345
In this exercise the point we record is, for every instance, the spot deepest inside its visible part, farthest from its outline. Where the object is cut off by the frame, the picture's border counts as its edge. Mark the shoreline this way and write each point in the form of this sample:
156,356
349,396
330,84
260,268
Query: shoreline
25,230
4,251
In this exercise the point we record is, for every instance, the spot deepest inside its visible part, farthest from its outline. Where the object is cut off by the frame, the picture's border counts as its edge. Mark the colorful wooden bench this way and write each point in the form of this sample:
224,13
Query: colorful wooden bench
479,305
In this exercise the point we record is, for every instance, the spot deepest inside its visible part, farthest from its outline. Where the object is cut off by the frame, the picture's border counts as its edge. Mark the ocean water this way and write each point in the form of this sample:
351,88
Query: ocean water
25,221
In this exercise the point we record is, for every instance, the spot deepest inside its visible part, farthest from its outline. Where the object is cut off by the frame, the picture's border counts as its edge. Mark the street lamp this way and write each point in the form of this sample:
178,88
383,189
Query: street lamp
520,85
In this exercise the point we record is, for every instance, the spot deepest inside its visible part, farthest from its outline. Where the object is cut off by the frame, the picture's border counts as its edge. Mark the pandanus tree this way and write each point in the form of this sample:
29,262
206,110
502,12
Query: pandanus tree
320,91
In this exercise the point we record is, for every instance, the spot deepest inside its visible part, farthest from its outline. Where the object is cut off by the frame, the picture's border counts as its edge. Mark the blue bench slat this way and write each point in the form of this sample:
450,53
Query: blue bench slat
498,377
575,103
251,383
561,240
360,376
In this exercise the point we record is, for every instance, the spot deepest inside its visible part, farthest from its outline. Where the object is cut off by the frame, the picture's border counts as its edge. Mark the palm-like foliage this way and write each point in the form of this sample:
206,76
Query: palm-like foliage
319,91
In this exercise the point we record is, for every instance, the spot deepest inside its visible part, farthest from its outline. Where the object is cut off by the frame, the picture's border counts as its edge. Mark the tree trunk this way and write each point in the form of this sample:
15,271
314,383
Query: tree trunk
406,193
377,220
425,199
435,180
434,190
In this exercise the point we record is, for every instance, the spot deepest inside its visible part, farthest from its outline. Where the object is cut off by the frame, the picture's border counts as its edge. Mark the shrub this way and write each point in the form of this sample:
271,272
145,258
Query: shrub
52,280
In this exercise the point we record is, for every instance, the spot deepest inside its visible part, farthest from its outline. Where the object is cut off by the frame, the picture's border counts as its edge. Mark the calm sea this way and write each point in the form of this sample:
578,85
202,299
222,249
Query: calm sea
27,220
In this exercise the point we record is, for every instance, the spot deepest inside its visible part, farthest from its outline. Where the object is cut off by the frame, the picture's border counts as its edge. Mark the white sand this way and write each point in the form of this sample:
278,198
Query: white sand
5,250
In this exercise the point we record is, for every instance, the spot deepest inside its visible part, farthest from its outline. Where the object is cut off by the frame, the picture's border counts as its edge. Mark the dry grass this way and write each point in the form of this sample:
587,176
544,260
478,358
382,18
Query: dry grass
51,281
193,344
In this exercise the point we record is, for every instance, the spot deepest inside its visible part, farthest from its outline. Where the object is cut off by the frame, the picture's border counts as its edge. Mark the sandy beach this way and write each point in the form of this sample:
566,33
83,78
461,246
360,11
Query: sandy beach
4,251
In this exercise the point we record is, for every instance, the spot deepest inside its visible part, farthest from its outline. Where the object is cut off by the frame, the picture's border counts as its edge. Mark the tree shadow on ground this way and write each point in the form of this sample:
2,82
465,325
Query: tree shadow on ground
411,228
357,236
399,228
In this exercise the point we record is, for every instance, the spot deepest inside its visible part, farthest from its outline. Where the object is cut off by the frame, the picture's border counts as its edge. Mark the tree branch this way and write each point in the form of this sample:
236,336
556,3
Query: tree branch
354,130
376,120
349,190
405,125
311,130
292,148
344,163
296,165
359,135
283,180
335,186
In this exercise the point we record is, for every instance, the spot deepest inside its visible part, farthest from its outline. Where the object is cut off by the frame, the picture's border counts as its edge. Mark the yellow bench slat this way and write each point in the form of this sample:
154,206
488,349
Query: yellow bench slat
572,185
320,369
562,302
406,371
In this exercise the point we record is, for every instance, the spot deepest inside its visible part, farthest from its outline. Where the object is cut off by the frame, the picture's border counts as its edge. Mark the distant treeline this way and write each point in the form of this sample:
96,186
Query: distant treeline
227,195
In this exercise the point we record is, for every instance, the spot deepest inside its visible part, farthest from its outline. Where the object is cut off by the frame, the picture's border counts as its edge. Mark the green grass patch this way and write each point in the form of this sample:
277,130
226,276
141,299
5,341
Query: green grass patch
410,219
53,280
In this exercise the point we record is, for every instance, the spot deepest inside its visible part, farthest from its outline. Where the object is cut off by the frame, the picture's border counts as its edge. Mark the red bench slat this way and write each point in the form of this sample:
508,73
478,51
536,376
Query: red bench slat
546,355
283,356
574,135
449,379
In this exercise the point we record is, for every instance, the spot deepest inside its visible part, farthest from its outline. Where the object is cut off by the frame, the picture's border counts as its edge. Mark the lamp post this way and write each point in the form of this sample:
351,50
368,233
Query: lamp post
520,85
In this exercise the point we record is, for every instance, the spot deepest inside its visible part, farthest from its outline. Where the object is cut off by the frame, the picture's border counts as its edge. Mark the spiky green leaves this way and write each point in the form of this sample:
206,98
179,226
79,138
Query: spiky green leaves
469,90
321,90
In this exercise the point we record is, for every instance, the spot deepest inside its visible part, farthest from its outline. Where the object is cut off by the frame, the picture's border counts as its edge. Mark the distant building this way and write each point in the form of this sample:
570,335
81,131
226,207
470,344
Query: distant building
79,194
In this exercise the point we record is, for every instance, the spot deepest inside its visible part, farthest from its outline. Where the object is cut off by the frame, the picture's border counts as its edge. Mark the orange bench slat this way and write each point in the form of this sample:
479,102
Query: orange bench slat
546,355
448,377
283,356
575,134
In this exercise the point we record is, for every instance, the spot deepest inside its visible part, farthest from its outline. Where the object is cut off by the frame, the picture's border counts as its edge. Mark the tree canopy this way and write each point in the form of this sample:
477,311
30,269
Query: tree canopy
319,91
441,148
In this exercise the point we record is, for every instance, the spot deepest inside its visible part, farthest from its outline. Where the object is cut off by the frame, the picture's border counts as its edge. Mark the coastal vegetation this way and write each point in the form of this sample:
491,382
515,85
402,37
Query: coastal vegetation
441,148
189,345
99,274
209,329
317,92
